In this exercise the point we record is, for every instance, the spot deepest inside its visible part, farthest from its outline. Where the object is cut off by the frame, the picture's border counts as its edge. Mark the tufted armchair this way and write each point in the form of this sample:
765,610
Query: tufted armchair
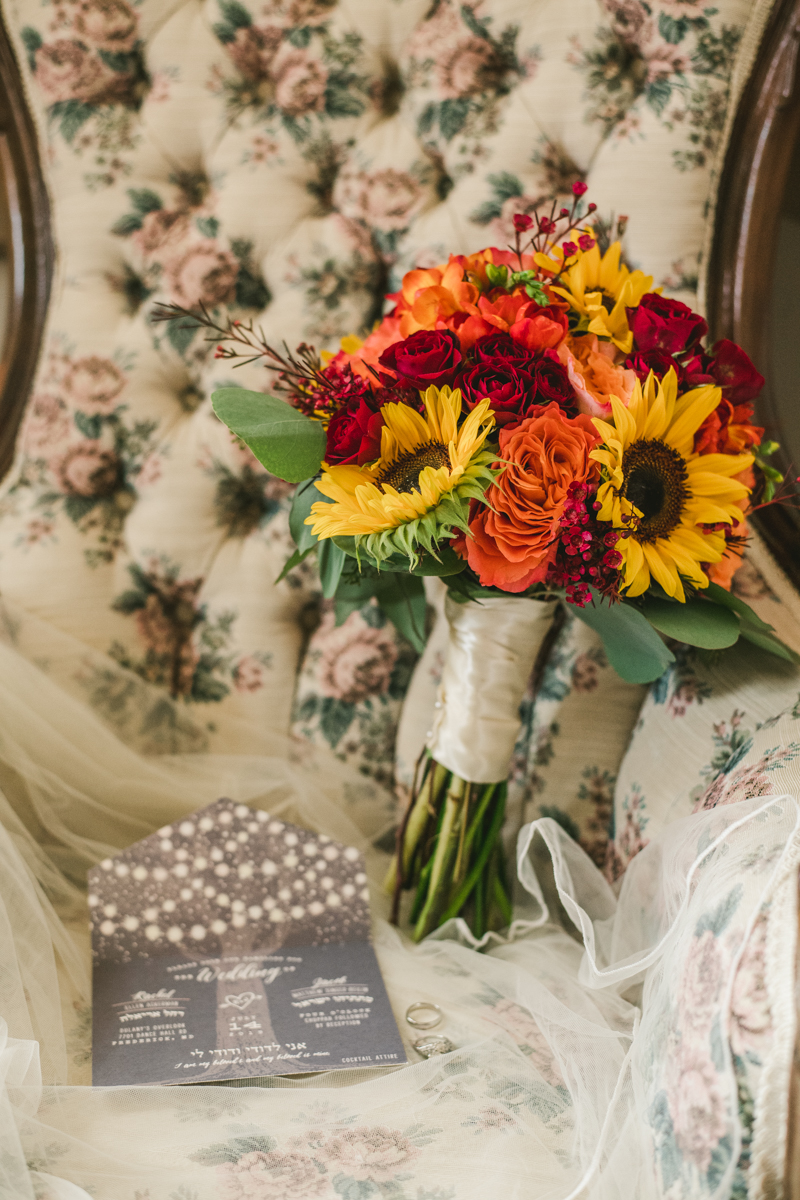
288,161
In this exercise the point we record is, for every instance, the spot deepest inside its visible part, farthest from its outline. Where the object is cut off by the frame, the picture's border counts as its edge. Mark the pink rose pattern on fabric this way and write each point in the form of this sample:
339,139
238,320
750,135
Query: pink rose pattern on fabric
183,646
321,1165
82,451
351,689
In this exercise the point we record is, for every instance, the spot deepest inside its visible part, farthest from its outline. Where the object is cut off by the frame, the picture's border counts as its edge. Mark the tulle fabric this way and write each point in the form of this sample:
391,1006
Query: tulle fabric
564,1040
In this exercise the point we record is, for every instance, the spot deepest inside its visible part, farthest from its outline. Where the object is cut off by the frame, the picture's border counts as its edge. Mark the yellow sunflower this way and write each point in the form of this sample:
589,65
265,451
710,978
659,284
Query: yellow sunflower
418,490
601,289
658,488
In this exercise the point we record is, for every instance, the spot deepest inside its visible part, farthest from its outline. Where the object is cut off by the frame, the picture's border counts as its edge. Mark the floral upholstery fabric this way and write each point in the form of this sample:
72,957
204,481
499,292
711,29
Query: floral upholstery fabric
286,160
715,730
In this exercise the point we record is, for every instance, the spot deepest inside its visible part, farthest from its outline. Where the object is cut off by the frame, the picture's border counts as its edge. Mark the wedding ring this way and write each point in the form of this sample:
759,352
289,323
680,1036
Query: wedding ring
433,1045
424,1015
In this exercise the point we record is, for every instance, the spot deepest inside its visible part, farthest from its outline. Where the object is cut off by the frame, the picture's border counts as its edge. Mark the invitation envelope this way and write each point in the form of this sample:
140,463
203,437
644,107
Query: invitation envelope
232,945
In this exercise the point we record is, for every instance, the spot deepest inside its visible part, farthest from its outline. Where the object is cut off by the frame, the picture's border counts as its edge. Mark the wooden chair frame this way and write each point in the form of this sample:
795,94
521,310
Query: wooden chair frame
32,252
754,177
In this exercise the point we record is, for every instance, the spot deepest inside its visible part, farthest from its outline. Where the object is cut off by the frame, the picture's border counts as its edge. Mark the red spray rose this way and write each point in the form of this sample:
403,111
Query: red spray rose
733,371
501,350
354,433
428,357
509,389
514,391
661,324
656,361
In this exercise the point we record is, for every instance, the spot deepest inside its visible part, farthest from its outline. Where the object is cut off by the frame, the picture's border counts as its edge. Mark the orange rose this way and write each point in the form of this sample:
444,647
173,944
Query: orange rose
594,375
512,546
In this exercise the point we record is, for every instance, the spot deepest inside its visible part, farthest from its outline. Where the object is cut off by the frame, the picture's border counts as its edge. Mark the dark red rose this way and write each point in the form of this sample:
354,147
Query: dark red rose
733,371
428,357
510,390
552,382
661,324
514,391
696,370
656,361
354,434
398,395
501,350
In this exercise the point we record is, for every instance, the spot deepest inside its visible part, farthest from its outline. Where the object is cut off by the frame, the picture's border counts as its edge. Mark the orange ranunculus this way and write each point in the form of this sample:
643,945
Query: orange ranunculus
536,327
438,298
431,295
512,546
728,430
722,573
594,375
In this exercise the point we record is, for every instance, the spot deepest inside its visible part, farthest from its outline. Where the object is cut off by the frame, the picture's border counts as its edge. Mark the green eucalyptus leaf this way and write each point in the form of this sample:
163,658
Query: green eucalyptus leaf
402,598
634,649
768,642
288,443
331,563
729,600
697,622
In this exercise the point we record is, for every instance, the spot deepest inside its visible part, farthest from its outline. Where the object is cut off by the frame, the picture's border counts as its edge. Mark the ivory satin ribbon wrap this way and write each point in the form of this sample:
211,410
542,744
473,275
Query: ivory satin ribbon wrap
491,650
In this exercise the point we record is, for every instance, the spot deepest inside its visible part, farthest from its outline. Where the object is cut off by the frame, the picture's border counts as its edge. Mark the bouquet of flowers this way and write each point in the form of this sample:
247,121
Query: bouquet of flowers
534,424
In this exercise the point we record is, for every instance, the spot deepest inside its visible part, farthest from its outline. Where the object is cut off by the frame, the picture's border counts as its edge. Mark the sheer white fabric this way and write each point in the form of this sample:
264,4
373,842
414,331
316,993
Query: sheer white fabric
599,1070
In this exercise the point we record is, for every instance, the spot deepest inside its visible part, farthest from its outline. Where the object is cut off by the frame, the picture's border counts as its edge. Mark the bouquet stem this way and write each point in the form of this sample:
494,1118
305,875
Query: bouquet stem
449,853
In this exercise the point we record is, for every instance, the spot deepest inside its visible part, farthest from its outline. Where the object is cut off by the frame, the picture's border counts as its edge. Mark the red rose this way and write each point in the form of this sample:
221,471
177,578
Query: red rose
552,382
656,361
696,370
501,350
733,371
661,324
509,389
428,357
354,434
514,390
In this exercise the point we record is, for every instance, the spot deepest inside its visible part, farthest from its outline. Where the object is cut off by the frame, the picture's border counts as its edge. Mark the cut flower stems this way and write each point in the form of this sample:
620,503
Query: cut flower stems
449,852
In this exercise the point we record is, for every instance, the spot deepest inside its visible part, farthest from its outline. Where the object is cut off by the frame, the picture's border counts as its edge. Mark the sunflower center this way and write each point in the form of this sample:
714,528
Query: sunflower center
656,481
608,302
403,474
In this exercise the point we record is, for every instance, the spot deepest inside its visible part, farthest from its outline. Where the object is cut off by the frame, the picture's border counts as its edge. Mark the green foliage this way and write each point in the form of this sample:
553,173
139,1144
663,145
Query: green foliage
696,623
402,598
331,563
144,200
285,441
32,41
71,115
89,425
208,226
180,335
232,1151
234,16
634,649
306,495
453,116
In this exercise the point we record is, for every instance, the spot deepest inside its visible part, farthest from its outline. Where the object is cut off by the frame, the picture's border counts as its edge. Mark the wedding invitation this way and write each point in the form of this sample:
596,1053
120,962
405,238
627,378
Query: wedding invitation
231,945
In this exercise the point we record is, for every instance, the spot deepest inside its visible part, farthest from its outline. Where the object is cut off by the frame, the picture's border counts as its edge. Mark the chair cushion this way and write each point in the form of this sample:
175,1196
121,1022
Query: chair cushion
286,161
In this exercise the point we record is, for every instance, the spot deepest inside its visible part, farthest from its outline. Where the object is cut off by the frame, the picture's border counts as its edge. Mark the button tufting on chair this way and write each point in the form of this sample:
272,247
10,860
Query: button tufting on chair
288,161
